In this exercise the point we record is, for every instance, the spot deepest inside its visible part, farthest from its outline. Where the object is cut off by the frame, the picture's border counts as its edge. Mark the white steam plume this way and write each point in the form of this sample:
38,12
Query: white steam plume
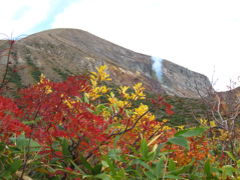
157,67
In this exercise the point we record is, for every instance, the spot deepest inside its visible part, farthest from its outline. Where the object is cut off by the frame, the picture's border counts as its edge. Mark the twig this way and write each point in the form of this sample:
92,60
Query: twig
119,133
11,42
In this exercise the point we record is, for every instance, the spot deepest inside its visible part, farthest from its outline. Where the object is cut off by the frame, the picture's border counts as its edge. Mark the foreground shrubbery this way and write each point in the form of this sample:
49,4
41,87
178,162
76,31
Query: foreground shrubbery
81,129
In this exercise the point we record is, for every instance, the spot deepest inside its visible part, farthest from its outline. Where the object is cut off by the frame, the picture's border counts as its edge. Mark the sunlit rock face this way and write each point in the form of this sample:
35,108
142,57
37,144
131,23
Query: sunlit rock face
177,80
59,53
180,81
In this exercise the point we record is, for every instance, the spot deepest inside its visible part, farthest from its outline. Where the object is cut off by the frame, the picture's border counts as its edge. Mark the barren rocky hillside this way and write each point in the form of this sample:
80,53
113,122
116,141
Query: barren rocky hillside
59,53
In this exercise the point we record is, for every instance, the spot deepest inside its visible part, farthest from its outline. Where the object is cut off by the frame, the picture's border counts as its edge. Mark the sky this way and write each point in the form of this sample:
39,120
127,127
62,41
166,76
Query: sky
201,35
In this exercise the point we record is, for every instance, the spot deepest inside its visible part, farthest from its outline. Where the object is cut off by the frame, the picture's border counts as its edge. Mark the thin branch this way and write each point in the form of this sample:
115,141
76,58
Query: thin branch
119,133
129,129
11,42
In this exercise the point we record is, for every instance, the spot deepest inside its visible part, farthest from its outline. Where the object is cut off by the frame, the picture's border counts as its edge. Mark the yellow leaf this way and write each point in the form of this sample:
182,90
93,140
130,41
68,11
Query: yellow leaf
212,124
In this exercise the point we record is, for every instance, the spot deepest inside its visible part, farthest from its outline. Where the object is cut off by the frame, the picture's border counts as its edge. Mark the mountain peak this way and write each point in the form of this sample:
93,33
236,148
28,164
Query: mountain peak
58,53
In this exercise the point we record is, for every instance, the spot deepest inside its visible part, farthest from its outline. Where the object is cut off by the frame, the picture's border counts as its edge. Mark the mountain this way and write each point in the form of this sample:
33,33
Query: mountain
229,102
59,53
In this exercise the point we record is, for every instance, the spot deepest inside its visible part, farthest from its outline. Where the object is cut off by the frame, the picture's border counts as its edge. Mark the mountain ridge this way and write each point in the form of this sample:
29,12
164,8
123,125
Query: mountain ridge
59,53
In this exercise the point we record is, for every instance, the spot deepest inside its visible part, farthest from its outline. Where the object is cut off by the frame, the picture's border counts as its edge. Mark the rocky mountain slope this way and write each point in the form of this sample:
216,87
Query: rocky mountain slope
59,53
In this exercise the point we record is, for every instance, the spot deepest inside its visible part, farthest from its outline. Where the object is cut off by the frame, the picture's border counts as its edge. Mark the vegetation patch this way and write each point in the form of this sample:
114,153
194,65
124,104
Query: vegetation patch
35,72
63,75
14,77
83,129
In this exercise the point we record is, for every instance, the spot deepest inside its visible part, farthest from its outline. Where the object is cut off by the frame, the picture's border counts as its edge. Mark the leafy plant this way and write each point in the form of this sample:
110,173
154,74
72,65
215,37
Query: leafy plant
81,129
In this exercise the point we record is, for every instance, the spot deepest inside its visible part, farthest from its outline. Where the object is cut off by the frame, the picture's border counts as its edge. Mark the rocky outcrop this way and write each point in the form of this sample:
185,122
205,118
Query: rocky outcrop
182,82
59,53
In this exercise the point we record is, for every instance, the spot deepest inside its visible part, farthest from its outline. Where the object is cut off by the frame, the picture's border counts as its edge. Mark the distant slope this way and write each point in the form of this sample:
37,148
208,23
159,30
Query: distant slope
59,53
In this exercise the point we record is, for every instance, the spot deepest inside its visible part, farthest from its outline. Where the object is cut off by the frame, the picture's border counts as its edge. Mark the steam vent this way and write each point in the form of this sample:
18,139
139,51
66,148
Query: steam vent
60,53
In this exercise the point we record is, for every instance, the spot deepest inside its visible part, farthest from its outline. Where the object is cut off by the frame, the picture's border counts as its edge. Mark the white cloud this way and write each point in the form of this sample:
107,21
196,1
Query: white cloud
15,22
196,34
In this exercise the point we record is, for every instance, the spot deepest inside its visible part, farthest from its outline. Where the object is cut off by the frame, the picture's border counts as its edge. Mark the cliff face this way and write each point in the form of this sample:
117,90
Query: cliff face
62,52
182,82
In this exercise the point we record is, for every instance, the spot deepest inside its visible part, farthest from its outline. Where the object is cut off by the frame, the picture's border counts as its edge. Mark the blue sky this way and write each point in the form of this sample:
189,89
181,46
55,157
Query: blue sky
202,35
56,8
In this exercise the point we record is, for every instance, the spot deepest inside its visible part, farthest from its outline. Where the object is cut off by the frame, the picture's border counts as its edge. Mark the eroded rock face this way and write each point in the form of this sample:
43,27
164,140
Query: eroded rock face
182,82
62,52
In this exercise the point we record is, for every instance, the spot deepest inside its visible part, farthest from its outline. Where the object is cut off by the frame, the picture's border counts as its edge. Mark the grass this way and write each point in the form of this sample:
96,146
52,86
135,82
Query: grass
63,75
36,73
185,109
14,77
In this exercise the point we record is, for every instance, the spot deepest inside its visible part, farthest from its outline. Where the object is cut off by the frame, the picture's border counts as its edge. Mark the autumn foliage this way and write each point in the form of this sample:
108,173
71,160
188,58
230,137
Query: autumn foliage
75,125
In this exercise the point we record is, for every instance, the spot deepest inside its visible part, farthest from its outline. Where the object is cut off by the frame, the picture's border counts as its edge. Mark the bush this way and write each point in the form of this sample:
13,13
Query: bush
81,129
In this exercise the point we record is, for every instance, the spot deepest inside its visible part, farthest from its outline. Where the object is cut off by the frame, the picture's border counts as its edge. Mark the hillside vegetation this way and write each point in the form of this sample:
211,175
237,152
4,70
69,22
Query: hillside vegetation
82,129
87,128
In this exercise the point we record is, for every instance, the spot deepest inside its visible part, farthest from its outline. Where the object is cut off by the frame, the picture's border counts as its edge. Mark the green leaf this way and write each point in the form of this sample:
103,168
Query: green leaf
179,140
104,176
12,168
116,108
190,132
37,119
238,163
230,155
85,99
29,122
105,164
169,176
179,133
150,175
171,165
182,169
159,168
115,154
207,169
129,113
144,149
97,169
116,139
228,170
142,163
24,143
2,146
65,149
85,163
100,108
158,153
76,167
